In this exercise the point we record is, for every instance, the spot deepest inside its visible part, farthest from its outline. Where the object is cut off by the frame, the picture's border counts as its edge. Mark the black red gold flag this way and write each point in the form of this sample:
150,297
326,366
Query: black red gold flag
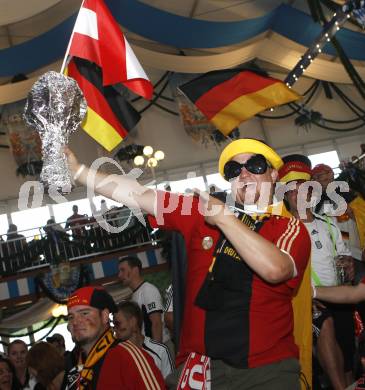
109,115
229,97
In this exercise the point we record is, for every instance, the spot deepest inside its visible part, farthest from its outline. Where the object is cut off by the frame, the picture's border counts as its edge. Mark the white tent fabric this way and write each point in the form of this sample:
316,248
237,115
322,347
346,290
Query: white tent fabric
13,12
274,49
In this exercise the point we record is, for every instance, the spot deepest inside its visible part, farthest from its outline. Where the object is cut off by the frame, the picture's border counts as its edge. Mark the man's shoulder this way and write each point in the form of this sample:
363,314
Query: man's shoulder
287,228
154,345
282,220
149,286
127,351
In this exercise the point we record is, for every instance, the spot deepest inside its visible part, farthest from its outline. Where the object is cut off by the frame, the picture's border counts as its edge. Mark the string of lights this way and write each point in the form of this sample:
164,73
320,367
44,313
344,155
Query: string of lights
328,31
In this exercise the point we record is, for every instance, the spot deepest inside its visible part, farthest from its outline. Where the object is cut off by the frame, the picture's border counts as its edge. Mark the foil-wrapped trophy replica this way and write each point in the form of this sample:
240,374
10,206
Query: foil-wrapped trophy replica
55,107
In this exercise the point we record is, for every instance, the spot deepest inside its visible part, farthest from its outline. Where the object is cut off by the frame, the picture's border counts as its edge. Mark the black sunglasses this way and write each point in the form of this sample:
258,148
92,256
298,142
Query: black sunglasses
257,165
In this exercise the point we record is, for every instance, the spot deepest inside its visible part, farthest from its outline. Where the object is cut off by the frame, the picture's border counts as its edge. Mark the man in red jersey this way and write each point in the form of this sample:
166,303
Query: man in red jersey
242,271
104,362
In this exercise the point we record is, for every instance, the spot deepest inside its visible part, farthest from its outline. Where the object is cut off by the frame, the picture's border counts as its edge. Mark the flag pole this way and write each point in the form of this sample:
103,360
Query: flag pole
69,42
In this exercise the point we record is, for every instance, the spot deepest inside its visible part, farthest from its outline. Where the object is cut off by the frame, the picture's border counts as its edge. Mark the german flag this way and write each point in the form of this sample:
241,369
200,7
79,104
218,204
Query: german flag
109,116
229,97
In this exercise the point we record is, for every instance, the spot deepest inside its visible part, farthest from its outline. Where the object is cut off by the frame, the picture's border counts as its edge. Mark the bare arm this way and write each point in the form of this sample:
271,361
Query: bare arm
268,261
342,294
156,322
120,188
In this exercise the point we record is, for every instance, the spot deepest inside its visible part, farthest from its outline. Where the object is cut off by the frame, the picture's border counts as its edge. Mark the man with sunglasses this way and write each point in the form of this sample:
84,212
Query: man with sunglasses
242,271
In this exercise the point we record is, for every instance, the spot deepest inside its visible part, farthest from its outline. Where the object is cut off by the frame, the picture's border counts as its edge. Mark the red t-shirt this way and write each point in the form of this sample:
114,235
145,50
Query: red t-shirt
128,367
264,332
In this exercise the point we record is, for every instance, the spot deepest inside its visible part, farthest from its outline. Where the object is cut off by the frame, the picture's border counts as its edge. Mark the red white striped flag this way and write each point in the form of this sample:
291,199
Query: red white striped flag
98,38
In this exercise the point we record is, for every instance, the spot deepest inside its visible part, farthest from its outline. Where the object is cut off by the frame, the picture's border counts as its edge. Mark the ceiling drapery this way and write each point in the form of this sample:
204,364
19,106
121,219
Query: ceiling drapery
179,32
272,50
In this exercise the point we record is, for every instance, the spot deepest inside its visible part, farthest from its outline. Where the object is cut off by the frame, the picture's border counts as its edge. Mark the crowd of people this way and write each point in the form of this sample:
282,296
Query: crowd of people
255,268
80,236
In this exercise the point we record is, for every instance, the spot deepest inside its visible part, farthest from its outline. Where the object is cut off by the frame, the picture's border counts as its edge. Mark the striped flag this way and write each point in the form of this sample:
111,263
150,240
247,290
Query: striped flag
102,60
229,97
109,115
98,38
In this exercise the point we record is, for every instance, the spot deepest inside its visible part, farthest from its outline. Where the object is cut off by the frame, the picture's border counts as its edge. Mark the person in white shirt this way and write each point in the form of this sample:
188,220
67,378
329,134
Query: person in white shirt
326,243
128,323
324,175
146,295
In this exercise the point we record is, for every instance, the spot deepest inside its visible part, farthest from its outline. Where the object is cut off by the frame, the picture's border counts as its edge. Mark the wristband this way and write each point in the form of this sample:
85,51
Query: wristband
79,171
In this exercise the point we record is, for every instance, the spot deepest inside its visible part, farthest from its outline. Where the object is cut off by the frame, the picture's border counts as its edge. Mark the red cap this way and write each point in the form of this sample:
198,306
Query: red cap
294,170
321,168
96,297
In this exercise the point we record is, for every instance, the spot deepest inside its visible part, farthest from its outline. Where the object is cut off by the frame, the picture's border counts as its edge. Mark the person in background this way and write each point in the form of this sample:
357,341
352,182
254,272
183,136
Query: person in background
58,341
12,233
349,237
346,222
103,207
146,295
296,171
16,245
76,222
44,363
128,321
17,353
7,375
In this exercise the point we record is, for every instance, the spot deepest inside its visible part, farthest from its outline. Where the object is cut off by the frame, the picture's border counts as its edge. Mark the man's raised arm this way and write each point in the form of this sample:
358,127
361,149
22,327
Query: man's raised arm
120,188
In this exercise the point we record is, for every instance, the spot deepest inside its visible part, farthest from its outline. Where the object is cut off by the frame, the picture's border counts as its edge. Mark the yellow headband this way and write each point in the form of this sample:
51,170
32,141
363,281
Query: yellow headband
247,145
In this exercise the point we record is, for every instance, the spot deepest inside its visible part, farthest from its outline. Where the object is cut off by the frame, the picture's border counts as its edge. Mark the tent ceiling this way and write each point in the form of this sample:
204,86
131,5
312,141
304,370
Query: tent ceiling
35,17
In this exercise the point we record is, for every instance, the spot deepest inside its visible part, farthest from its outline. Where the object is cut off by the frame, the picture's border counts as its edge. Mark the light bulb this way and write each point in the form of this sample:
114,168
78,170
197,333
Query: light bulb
159,155
59,310
138,160
147,151
152,162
